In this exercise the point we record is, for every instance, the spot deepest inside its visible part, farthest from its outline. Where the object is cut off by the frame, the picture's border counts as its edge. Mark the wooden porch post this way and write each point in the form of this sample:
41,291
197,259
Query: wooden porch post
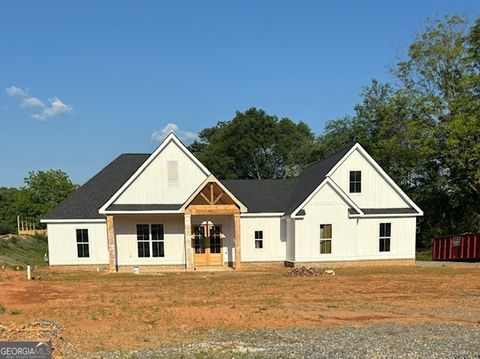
112,248
188,241
236,239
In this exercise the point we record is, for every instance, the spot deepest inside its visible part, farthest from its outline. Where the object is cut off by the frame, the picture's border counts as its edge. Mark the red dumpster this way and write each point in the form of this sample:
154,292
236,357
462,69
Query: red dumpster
463,247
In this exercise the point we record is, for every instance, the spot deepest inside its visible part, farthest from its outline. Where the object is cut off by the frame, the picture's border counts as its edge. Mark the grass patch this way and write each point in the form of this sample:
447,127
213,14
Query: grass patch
424,255
19,252
2,309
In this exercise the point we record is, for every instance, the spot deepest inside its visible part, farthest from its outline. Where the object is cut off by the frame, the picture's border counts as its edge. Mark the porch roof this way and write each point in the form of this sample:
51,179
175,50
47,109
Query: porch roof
143,207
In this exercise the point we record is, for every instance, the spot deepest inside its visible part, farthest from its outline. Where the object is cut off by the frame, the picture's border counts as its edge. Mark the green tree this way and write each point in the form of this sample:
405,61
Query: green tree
425,130
441,75
43,190
8,206
255,145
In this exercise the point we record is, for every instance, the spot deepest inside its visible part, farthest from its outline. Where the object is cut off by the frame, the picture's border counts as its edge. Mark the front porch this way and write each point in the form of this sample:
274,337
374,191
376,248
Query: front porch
203,233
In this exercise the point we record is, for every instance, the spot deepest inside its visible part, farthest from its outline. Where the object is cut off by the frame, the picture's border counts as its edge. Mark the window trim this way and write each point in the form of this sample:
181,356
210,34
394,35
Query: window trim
360,182
259,240
83,243
385,237
325,239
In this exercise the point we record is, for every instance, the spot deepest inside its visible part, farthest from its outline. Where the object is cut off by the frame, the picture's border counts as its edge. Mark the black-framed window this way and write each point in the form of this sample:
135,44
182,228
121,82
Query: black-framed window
385,236
258,239
158,247
82,243
143,240
325,238
355,181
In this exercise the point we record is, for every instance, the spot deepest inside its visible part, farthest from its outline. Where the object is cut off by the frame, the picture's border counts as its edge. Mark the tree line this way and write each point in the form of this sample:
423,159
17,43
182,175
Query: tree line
423,128
42,191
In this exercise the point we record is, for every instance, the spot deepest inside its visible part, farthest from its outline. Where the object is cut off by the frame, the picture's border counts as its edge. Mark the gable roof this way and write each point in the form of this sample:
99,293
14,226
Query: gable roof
212,178
259,196
311,177
262,196
85,201
170,138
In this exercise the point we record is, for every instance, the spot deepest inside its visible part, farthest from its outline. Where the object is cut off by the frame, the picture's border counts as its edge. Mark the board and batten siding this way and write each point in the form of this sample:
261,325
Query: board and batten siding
152,185
62,243
376,191
352,239
274,239
126,236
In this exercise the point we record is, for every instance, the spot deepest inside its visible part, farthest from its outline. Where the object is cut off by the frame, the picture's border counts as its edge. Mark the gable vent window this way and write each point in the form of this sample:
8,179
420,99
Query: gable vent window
172,172
355,181
82,243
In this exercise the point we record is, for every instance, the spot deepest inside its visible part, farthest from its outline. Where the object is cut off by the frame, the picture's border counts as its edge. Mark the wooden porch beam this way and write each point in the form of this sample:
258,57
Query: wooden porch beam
112,246
219,209
218,198
205,198
237,242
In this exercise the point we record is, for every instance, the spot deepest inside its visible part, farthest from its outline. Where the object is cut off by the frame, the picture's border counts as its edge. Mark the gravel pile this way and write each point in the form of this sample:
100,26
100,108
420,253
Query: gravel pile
376,341
308,271
372,341
42,330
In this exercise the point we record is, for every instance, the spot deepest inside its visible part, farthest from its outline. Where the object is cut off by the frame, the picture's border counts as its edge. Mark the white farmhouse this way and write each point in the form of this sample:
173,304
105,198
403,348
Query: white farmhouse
166,209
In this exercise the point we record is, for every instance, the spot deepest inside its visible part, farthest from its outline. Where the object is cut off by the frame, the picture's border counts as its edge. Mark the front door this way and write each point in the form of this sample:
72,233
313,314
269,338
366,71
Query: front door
207,245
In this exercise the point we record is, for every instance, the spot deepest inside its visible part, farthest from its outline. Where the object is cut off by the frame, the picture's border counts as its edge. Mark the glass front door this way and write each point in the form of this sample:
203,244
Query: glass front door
207,243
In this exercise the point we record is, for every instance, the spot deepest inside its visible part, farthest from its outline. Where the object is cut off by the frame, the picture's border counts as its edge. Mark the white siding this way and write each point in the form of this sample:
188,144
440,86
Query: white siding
376,192
352,239
274,239
62,243
126,236
152,186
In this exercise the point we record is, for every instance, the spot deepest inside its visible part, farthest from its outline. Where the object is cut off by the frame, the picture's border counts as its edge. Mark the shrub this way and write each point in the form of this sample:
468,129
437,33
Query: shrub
2,309
6,229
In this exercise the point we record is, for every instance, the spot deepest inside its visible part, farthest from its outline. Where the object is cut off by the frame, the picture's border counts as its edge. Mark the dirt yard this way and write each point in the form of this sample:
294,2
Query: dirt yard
102,311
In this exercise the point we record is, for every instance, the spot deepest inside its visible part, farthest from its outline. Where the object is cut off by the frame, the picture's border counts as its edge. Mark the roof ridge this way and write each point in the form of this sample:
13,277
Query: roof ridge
326,158
135,153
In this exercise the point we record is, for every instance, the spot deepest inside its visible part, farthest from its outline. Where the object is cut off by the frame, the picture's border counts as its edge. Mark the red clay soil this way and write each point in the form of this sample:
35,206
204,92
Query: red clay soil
101,311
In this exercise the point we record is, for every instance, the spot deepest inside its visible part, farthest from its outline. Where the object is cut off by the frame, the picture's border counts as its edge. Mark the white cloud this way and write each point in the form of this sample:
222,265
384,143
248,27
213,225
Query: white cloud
32,102
15,91
54,108
184,136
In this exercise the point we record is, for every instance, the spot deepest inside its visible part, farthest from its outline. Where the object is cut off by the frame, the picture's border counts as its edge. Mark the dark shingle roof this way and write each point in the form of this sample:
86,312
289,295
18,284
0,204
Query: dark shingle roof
85,202
311,177
269,195
144,207
385,211
282,195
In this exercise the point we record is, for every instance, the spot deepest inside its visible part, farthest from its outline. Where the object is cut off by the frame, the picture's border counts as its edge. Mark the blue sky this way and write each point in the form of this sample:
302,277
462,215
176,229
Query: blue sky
83,82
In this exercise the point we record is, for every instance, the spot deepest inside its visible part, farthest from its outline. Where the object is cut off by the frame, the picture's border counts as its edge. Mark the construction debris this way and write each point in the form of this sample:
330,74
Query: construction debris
308,271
